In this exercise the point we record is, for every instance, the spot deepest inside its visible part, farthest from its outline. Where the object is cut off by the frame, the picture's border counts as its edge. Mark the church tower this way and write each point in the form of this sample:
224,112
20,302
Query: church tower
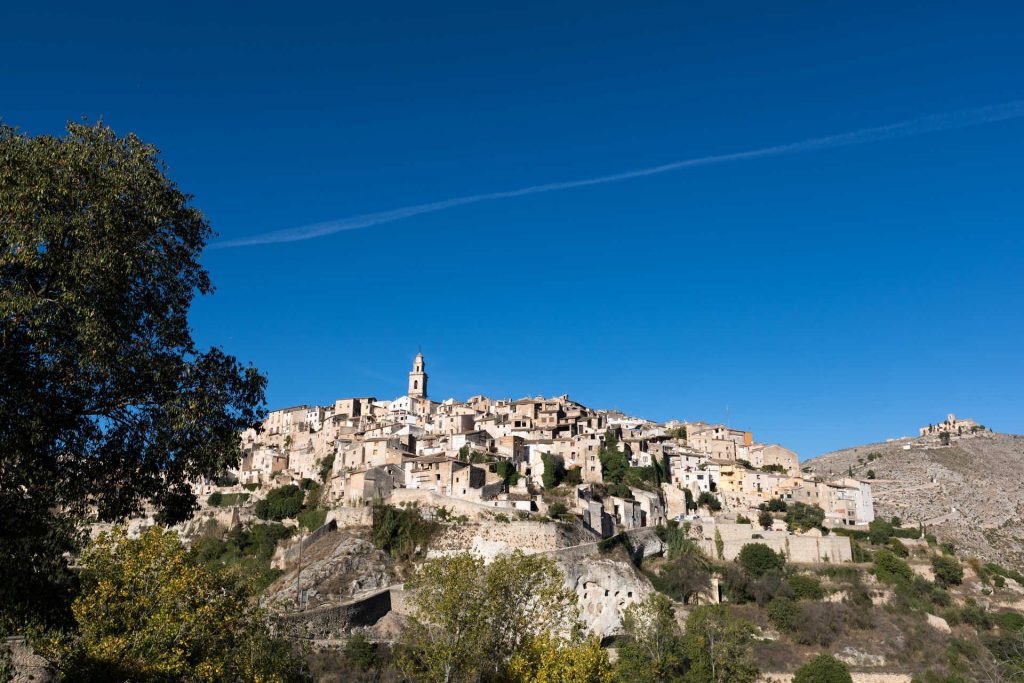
418,378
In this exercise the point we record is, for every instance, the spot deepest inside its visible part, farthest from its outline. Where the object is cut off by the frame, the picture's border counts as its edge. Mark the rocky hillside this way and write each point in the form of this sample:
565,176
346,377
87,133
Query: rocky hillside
970,492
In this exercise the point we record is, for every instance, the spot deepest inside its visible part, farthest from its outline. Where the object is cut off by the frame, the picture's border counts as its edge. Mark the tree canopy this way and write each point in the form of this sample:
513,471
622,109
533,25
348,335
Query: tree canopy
148,611
106,402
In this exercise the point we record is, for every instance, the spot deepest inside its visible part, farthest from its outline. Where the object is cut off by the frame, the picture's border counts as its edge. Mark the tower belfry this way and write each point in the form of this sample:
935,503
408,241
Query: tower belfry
418,378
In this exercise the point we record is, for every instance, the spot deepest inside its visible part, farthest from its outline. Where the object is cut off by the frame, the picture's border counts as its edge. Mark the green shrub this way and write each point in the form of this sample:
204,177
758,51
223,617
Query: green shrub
215,499
250,487
401,532
898,548
1010,621
776,505
803,517
312,519
281,503
507,471
765,519
909,532
879,532
805,587
784,613
823,668
757,559
708,500
890,569
948,571
556,510
931,540
326,465
742,519
574,476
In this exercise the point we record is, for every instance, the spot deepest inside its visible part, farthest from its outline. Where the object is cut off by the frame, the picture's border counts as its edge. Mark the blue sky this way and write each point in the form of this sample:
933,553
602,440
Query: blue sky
820,299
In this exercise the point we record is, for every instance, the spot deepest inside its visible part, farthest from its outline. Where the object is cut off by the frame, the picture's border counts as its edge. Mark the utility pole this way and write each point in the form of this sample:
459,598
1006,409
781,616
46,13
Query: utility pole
298,574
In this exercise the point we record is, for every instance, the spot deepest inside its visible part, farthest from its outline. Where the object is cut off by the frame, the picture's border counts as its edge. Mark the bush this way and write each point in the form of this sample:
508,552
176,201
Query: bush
879,532
803,517
507,471
742,519
912,532
784,613
890,569
574,476
820,623
765,519
758,559
871,474
556,510
948,571
823,668
326,465
281,503
215,499
1010,621
250,487
401,531
776,505
312,519
805,587
898,548
708,500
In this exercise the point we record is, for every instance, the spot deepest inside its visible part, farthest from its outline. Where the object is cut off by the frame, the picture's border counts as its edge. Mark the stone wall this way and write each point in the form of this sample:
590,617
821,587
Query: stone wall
336,620
811,547
495,538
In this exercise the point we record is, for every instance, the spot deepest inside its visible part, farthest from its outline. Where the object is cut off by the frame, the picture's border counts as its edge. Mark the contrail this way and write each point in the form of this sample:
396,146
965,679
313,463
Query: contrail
928,124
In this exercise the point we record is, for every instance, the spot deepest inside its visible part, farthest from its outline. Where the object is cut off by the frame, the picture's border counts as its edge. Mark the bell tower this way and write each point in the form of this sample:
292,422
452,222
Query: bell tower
418,378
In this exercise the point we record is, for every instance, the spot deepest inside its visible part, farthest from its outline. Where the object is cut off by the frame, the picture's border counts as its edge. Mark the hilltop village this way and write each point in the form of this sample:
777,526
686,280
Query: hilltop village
501,454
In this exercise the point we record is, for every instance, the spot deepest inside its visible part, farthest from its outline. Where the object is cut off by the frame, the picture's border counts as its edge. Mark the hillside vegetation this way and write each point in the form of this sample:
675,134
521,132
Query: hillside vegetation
969,493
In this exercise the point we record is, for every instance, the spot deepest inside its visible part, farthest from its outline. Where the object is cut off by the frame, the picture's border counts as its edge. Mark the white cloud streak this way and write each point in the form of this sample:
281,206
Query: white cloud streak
920,126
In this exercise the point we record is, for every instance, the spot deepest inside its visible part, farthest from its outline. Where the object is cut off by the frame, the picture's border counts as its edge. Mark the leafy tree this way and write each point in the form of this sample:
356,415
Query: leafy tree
464,453
823,668
574,476
719,545
148,612
948,571
708,500
758,559
776,505
684,578
106,401
718,647
879,532
360,651
554,470
614,463
801,516
550,659
281,503
557,510
944,438
654,650
401,531
507,471
765,519
469,619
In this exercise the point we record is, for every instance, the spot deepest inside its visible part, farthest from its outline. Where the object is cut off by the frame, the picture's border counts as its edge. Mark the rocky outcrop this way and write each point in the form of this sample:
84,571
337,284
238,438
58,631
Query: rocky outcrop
604,587
334,568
